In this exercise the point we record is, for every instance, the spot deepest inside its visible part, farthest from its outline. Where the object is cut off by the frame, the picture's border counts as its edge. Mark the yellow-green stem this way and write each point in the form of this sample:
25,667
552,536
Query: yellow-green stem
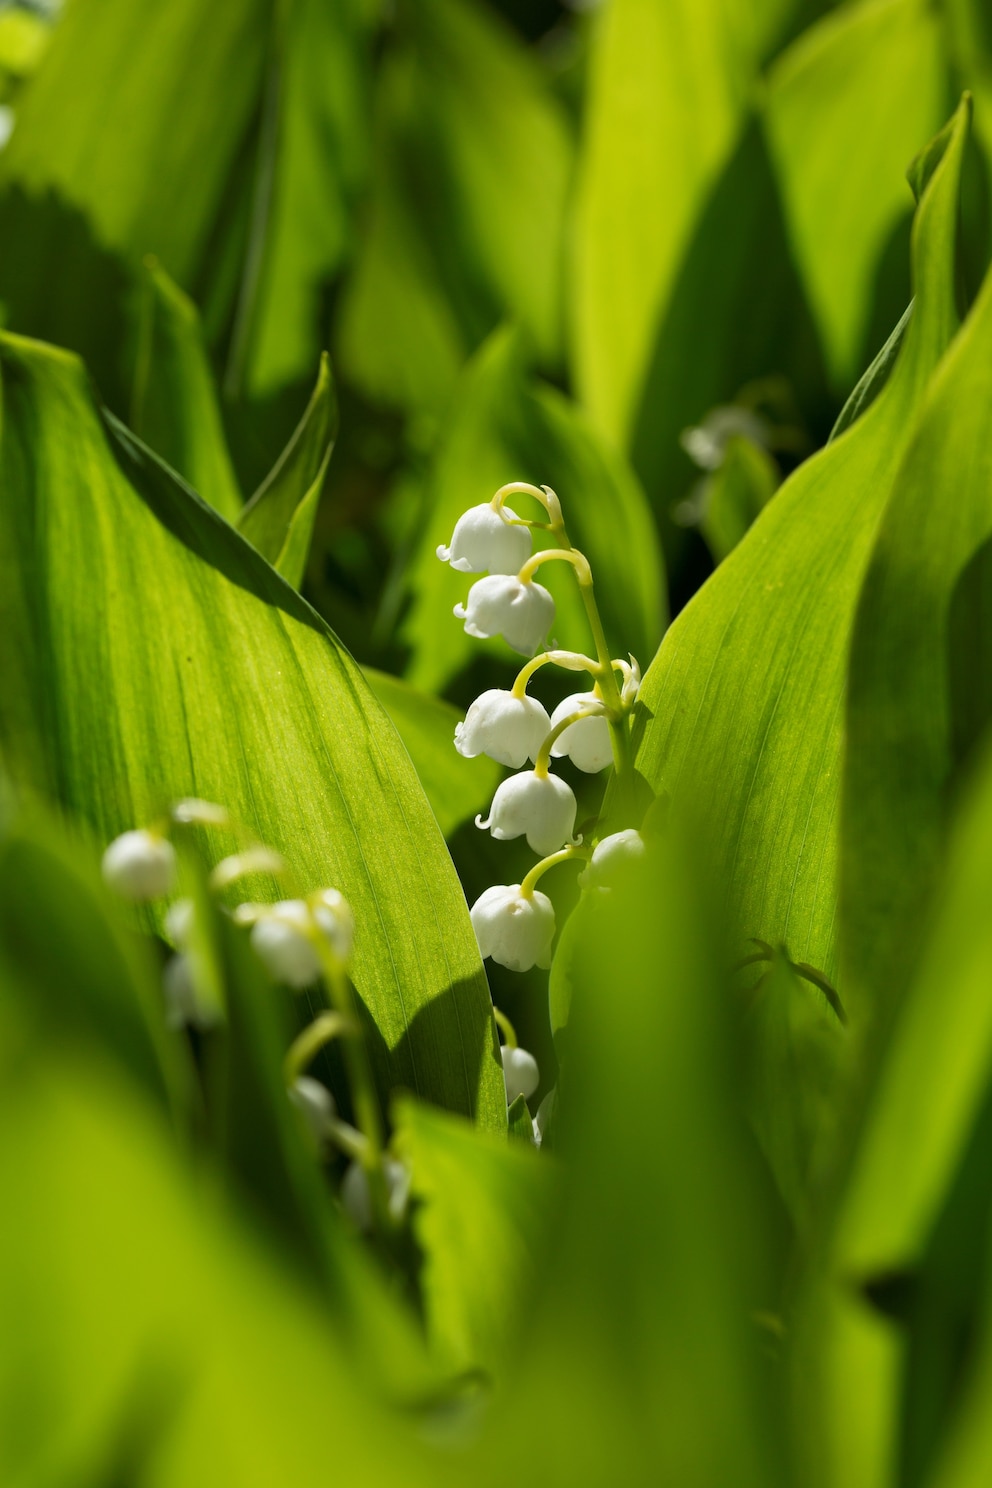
543,761
539,869
309,1043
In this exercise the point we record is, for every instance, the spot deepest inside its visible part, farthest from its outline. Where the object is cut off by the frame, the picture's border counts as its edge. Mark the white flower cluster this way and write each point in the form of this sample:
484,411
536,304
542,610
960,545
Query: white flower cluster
515,923
292,938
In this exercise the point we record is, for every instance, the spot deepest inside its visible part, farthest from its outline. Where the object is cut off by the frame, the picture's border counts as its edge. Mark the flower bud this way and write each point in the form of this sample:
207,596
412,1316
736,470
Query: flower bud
357,1198
140,865
521,612
332,913
587,742
282,941
512,929
520,1073
611,860
539,807
483,543
315,1103
507,728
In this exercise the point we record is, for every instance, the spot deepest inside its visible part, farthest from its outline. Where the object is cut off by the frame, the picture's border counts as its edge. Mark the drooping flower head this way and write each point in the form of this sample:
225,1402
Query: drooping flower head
521,611
587,742
520,1072
140,865
483,542
612,859
514,929
508,729
539,807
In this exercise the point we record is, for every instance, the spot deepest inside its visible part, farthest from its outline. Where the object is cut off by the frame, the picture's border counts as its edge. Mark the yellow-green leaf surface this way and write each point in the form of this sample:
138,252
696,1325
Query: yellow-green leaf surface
482,1204
174,406
505,427
151,653
921,663
742,710
848,106
667,86
457,788
162,100
279,518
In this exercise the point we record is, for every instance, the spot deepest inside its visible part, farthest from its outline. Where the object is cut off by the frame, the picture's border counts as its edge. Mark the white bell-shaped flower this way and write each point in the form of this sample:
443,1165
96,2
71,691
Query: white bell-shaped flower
513,929
509,729
612,859
501,604
483,543
357,1198
316,1105
333,914
520,1073
183,1003
140,865
539,807
587,742
282,940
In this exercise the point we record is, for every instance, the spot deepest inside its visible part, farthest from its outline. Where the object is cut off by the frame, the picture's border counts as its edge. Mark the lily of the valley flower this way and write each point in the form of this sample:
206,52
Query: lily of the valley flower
282,934
140,865
539,807
316,1105
357,1198
509,729
587,742
183,1004
520,1072
611,859
521,611
514,929
483,543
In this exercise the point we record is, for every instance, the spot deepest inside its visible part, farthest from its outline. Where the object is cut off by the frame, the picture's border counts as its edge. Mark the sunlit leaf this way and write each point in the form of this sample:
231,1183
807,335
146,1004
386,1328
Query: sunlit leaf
201,672
742,710
848,105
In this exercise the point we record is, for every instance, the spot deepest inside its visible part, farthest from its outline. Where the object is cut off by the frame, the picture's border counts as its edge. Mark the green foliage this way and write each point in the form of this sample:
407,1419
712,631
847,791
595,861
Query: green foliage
286,287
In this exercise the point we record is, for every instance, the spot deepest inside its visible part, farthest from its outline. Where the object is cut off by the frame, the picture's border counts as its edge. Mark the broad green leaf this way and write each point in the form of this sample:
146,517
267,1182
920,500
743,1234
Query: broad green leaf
736,322
642,1364
921,663
467,215
164,102
320,162
742,709
847,107
174,406
201,672
279,518
667,87
78,975
457,788
145,1335
482,1205
507,427
935,1069
736,494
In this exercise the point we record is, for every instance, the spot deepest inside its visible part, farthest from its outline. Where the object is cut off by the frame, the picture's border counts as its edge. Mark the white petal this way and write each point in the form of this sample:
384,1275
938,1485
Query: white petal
512,930
140,865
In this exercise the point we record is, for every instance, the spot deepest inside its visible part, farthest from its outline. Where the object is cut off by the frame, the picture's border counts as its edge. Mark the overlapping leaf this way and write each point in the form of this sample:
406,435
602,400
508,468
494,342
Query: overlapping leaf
151,653
742,710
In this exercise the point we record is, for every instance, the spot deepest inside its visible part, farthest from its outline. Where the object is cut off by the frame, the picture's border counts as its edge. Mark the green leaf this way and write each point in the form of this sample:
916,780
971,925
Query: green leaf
667,89
921,663
203,673
641,1355
481,1202
174,406
736,322
74,972
736,494
847,106
872,381
742,710
279,518
457,788
160,176
506,427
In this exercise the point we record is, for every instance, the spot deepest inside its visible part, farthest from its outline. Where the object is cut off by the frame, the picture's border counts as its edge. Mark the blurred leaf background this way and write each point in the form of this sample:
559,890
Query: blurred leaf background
330,272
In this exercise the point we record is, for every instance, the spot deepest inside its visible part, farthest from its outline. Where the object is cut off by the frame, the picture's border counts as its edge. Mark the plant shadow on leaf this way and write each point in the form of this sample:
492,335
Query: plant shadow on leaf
58,284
